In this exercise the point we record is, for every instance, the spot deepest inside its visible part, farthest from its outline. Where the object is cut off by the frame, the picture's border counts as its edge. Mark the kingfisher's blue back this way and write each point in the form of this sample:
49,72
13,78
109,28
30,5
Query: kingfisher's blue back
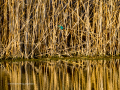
61,27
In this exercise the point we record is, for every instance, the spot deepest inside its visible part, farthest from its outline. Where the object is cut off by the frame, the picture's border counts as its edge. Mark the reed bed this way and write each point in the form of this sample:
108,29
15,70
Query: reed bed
61,75
29,28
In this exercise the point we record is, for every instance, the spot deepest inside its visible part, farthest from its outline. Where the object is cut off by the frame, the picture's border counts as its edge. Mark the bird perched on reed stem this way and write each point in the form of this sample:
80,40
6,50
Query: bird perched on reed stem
61,27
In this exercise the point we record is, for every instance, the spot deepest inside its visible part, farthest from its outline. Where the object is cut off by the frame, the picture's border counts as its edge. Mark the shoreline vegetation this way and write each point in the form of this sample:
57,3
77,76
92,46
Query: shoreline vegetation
56,58
29,29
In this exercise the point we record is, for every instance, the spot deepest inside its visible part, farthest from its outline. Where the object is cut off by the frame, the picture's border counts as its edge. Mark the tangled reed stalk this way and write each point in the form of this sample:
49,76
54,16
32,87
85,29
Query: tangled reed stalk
29,28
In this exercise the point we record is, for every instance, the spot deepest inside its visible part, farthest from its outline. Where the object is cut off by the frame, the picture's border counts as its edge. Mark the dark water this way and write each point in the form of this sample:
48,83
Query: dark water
60,75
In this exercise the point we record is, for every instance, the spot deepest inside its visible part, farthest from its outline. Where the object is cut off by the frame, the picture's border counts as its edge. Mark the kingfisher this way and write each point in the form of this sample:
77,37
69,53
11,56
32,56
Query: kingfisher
61,27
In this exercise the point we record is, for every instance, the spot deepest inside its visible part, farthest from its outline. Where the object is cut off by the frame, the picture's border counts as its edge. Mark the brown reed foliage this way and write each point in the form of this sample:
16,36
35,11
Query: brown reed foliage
30,28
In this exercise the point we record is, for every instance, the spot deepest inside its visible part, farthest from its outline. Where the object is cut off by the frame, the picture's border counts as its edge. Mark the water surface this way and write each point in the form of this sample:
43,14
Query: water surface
60,74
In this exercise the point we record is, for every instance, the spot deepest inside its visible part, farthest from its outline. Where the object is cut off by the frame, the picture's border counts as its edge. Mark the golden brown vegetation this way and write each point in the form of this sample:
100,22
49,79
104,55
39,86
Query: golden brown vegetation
29,28
61,75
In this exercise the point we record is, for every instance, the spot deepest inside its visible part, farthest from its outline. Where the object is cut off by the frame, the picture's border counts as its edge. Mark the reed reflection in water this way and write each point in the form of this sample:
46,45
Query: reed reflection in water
60,75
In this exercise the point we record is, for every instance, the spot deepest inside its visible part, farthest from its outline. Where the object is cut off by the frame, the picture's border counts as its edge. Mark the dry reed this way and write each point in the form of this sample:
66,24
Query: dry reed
29,29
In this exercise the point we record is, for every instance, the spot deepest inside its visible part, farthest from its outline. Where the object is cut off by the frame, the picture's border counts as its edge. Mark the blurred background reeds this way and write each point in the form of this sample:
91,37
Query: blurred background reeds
29,28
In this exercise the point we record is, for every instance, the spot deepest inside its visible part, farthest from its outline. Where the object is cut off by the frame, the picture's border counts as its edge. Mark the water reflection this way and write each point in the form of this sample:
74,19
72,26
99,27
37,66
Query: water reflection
60,75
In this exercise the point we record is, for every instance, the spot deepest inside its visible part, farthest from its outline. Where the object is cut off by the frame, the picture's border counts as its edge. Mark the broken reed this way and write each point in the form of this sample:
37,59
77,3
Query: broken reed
30,28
